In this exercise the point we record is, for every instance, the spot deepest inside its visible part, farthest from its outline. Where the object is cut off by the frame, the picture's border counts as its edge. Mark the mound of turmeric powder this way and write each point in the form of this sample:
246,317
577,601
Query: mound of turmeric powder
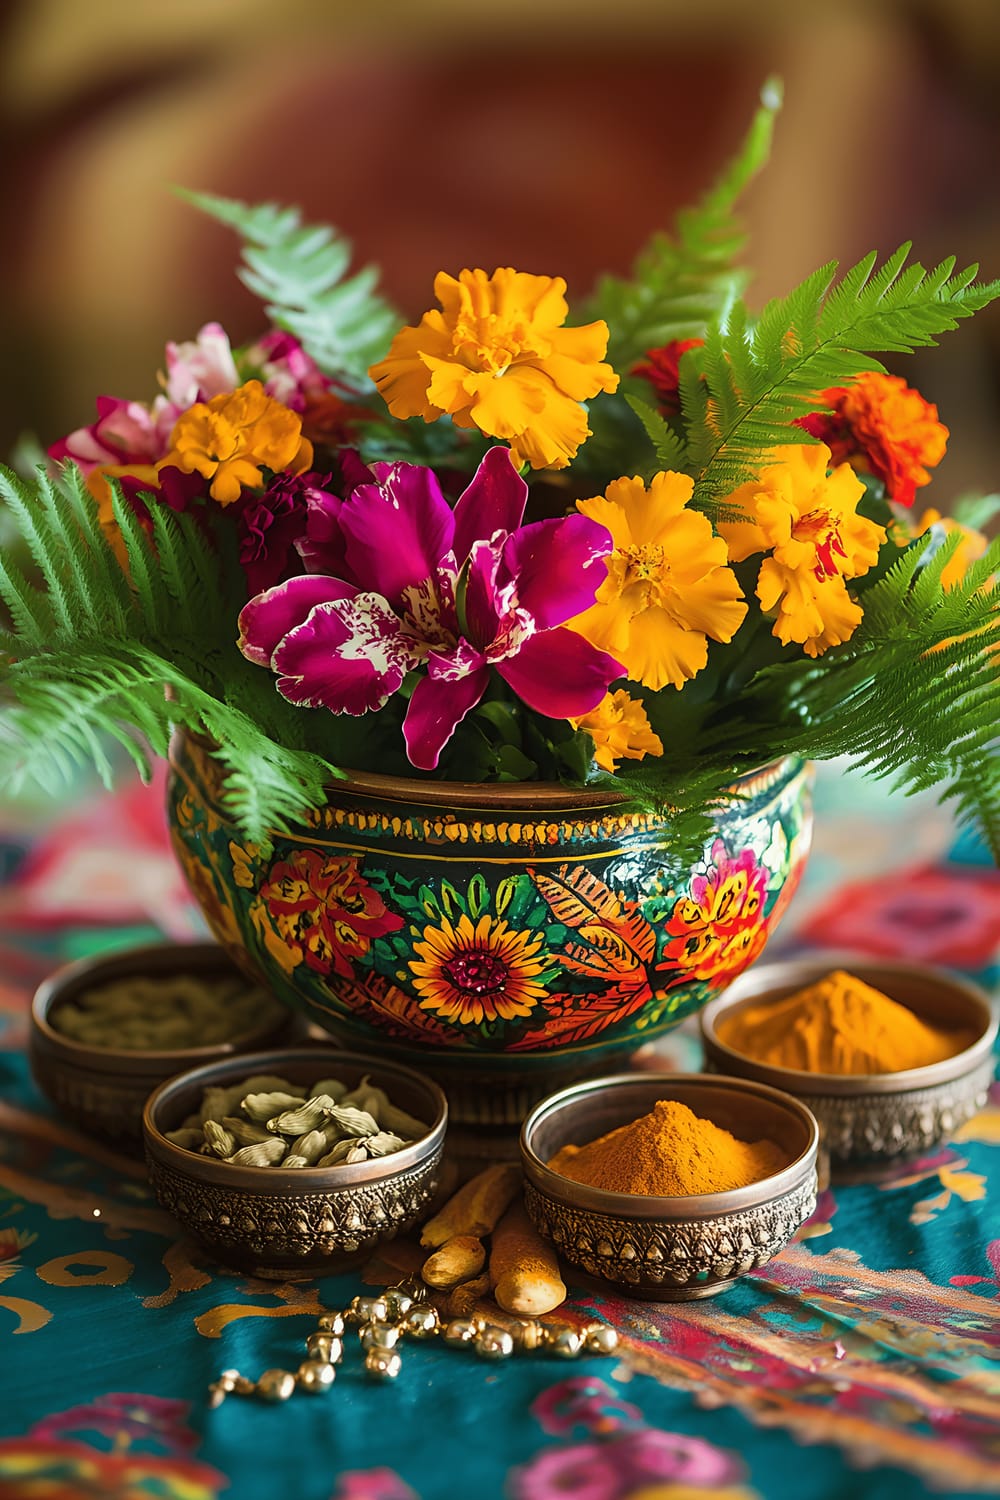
669,1153
838,1025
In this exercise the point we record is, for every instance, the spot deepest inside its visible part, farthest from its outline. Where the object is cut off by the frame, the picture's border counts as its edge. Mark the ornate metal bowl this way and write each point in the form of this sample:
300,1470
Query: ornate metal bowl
104,1089
505,938
873,1115
669,1249
290,1225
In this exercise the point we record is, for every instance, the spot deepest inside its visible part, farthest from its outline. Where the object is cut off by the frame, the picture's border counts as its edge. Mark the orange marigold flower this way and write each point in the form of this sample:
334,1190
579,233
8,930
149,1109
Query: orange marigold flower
485,971
620,729
806,520
881,426
496,357
234,437
667,587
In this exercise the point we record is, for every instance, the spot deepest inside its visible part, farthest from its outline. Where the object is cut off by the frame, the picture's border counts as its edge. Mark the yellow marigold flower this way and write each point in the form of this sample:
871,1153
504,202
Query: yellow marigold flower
667,587
972,545
620,729
806,519
496,357
234,437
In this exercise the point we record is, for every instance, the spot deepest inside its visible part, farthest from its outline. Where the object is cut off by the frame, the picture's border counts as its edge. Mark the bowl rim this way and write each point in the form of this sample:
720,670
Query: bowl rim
319,1179
120,962
848,1085
584,1197
528,796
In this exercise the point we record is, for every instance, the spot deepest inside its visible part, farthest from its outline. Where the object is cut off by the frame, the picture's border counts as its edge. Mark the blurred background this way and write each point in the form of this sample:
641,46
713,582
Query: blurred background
553,135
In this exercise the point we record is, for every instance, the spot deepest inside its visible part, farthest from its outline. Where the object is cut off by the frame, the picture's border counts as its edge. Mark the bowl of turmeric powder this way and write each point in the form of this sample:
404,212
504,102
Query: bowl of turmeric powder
672,1185
890,1057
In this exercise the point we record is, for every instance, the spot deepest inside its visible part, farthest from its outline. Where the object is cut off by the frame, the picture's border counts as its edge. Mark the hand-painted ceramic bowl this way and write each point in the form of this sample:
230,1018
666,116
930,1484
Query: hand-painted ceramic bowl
103,1089
292,1224
499,936
669,1249
881,1114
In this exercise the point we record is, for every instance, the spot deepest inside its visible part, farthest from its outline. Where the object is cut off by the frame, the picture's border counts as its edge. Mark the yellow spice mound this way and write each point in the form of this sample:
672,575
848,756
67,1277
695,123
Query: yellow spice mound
670,1153
839,1025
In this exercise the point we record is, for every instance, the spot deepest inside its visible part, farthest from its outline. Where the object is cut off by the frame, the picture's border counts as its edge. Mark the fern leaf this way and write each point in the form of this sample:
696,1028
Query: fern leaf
668,445
756,379
681,284
299,272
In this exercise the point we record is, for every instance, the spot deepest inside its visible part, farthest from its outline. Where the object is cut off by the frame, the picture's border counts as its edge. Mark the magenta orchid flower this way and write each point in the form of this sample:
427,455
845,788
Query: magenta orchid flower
409,582
285,370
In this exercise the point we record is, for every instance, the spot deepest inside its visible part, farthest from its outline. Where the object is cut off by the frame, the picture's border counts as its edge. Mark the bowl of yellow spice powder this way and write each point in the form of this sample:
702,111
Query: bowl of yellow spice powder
669,1185
891,1057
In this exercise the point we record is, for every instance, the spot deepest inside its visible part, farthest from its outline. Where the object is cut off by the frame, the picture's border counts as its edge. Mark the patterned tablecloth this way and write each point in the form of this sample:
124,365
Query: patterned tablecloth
864,1360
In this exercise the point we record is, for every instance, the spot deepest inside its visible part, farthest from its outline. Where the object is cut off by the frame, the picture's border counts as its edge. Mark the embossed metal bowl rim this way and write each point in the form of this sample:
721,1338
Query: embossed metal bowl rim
638,1092
166,1101
491,795
139,1062
910,984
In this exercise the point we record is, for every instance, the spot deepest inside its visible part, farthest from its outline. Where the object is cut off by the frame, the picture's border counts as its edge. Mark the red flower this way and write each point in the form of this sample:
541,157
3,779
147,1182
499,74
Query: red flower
324,913
663,372
720,928
881,426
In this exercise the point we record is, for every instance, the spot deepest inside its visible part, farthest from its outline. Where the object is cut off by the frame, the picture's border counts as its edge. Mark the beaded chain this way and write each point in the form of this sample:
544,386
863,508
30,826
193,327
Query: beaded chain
404,1312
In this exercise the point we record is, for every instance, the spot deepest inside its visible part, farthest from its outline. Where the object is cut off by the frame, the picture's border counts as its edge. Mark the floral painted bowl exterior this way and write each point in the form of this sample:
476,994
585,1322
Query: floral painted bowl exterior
494,932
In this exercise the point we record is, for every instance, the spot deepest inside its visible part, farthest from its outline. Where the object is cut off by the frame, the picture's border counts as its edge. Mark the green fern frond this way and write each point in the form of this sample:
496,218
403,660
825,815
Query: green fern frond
668,445
757,378
300,273
681,284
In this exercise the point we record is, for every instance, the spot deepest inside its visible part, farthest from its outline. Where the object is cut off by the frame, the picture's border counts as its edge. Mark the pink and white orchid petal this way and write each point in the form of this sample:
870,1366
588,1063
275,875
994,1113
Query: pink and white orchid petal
493,501
556,566
396,531
349,656
266,619
482,607
437,707
559,674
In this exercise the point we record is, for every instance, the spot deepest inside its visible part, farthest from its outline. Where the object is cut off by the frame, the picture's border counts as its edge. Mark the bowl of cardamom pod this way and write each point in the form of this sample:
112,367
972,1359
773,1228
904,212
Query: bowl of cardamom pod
105,1031
892,1058
670,1186
295,1164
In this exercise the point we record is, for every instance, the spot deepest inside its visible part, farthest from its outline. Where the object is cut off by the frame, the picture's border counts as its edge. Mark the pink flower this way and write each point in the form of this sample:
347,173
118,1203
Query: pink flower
126,433
285,370
200,369
586,1471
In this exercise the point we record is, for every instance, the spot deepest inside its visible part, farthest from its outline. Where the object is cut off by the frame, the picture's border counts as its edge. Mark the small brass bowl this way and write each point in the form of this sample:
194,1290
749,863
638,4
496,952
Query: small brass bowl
874,1115
679,1248
294,1223
103,1089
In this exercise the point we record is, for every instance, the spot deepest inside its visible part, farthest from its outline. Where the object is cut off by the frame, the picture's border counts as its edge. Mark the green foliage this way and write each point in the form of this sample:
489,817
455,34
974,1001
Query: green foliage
299,271
92,659
753,378
681,284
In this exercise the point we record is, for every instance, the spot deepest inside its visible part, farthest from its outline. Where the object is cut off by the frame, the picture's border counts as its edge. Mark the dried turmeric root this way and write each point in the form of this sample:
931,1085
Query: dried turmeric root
475,1208
459,1259
523,1267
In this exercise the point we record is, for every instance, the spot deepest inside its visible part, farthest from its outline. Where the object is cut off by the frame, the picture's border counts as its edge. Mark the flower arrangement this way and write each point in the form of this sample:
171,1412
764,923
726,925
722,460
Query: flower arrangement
655,542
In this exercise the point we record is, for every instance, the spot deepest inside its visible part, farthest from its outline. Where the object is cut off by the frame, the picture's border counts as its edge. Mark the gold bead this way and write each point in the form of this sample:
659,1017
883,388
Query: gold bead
325,1346
275,1385
494,1343
599,1338
529,1334
421,1322
397,1302
315,1375
462,1330
413,1287
566,1343
364,1309
378,1336
331,1322
383,1364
